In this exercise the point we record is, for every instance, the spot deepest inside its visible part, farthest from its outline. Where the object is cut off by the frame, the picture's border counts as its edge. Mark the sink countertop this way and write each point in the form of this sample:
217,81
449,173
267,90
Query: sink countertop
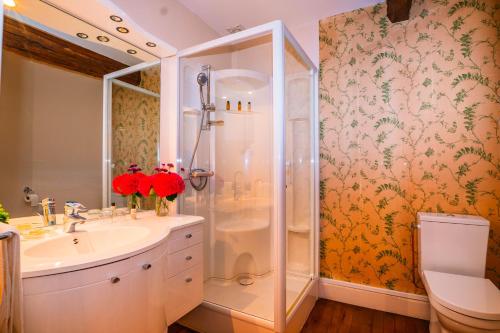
158,229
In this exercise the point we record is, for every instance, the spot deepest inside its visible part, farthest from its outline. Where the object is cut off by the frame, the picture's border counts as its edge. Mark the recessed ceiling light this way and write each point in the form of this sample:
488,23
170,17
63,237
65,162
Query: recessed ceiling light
131,51
82,35
151,44
116,18
103,39
123,30
9,3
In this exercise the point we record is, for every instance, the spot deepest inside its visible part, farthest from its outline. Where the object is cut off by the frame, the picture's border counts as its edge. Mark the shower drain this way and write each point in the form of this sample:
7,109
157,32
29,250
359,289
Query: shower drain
245,280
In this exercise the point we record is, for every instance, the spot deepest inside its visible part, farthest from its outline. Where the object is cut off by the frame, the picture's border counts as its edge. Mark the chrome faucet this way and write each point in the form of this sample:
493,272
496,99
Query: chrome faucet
72,210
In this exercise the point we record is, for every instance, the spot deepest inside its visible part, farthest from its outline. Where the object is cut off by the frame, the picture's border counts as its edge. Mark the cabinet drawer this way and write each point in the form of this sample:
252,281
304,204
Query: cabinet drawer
184,259
184,293
185,237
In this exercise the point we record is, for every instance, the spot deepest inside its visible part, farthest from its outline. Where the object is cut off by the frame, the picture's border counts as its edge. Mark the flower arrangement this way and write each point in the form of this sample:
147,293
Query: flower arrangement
127,184
164,184
4,215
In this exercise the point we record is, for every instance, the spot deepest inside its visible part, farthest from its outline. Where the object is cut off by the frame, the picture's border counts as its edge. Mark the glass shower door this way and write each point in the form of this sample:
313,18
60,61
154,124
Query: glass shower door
237,201
299,129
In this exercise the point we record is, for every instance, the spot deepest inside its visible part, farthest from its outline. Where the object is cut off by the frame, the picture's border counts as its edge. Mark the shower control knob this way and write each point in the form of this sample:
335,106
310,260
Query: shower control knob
188,280
189,258
189,236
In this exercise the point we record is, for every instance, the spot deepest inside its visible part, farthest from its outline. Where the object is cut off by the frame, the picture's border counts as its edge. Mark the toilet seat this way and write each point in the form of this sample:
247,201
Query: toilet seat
468,300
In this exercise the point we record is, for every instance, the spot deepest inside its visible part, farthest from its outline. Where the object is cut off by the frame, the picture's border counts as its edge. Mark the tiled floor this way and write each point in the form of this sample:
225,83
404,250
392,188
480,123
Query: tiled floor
333,317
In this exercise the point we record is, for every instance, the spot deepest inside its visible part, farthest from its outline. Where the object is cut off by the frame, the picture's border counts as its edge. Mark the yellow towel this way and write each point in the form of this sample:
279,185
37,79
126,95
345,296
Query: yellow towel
11,316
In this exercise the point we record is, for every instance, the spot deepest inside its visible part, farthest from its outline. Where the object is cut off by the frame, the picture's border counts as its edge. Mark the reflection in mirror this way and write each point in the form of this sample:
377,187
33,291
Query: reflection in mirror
135,114
51,110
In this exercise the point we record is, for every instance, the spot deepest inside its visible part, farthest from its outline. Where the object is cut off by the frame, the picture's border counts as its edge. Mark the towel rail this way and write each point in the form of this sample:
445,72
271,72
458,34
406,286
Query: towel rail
6,235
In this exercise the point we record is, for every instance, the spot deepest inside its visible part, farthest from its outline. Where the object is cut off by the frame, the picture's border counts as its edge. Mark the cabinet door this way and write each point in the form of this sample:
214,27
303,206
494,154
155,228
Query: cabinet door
128,303
146,296
93,308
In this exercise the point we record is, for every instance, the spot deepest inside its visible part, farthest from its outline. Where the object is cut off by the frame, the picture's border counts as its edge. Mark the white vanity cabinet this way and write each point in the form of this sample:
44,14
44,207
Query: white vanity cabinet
123,296
185,272
140,294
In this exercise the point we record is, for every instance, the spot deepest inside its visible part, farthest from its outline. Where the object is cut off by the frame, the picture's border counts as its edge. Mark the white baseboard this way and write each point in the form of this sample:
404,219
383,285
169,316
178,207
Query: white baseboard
398,302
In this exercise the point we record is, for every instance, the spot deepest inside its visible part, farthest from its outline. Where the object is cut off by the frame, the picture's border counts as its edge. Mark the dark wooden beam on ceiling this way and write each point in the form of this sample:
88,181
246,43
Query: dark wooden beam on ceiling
42,47
398,10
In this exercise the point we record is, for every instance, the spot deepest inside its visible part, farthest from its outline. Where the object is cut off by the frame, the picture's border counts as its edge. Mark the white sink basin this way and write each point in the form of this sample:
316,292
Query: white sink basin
95,243
86,242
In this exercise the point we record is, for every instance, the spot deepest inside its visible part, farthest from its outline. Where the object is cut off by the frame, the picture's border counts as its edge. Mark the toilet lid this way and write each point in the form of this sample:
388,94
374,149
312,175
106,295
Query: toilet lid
468,295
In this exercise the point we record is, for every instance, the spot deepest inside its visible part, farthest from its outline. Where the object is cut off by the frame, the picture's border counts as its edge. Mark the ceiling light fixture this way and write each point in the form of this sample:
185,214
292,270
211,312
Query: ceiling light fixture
151,44
9,3
82,35
103,39
122,30
116,18
131,51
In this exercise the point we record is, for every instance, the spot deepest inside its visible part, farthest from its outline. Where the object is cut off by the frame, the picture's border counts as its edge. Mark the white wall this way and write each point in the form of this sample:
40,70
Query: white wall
307,35
168,20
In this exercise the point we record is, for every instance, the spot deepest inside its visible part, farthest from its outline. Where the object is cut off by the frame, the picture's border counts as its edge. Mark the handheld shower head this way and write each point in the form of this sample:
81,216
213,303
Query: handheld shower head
202,79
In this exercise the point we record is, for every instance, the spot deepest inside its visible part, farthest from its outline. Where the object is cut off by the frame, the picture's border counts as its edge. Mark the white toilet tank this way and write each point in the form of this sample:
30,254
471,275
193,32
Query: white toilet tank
452,243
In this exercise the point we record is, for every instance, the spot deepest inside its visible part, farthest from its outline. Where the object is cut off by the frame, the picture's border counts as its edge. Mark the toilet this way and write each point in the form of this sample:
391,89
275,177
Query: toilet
452,250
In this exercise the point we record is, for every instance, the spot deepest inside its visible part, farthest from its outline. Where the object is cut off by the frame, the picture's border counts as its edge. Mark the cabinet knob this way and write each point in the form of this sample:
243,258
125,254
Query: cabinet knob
189,236
115,279
146,266
189,258
188,280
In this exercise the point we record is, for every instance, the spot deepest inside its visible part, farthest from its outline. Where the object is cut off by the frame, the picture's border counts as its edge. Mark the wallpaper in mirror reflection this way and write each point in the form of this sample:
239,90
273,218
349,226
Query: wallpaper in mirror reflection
136,125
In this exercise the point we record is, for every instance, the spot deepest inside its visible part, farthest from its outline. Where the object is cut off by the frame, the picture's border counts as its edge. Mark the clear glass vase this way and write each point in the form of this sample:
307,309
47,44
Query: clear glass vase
161,206
134,200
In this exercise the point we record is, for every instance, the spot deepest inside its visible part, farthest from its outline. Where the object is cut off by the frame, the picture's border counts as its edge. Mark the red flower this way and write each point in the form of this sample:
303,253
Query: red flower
145,185
167,184
128,183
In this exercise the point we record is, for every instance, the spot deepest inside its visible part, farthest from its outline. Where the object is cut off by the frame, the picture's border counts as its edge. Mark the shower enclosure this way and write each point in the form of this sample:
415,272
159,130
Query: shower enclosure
247,137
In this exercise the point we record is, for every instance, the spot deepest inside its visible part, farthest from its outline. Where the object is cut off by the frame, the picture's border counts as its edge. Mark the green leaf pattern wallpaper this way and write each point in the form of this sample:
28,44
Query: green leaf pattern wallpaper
136,125
409,122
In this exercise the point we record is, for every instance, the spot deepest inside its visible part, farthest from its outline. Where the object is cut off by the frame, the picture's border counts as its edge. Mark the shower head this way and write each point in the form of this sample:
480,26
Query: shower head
202,79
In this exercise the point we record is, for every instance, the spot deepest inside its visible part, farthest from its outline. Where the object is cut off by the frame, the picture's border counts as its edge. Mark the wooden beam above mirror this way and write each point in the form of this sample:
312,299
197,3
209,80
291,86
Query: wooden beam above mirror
398,10
40,46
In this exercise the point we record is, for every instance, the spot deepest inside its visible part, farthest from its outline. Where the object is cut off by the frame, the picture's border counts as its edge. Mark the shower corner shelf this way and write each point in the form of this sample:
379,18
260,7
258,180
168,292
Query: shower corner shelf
299,228
241,113
242,80
191,110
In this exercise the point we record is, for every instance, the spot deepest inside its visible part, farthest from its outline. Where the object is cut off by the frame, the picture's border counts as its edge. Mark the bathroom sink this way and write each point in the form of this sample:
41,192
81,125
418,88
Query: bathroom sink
87,242
96,243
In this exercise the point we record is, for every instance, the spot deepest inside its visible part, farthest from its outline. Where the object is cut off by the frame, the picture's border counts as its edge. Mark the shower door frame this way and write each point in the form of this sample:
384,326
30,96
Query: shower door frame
279,35
107,132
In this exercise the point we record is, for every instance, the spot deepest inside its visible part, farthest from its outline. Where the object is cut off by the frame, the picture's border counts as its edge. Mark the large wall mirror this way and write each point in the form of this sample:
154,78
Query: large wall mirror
51,108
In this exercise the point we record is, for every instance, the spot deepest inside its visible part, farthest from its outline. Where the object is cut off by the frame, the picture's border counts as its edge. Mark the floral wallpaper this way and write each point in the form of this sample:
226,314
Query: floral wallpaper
135,124
410,117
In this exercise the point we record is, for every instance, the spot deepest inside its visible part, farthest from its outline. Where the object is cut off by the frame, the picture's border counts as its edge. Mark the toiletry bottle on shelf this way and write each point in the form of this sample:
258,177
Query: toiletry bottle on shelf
239,106
133,212
113,210
228,105
249,107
